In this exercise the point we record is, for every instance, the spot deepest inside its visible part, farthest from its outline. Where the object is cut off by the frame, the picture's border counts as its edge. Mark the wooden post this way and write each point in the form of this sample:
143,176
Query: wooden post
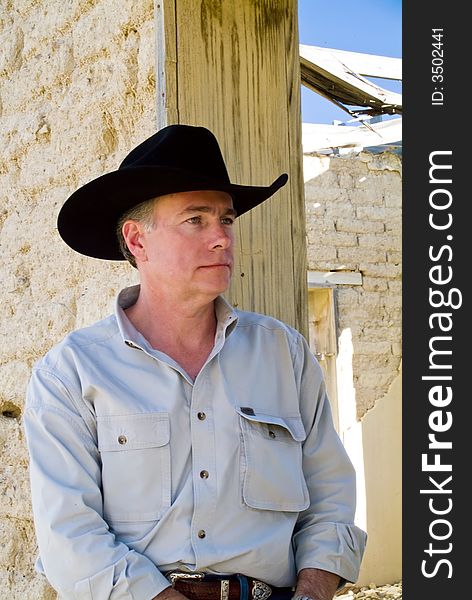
233,66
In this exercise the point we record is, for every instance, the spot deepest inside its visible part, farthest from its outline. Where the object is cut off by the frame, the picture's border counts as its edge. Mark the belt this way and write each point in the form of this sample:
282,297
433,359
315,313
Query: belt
204,586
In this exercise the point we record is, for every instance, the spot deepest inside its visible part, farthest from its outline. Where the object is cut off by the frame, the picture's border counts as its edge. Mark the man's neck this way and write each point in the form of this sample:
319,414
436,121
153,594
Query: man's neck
184,330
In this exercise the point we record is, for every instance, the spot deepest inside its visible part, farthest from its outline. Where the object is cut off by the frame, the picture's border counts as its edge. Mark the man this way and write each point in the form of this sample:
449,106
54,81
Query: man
180,448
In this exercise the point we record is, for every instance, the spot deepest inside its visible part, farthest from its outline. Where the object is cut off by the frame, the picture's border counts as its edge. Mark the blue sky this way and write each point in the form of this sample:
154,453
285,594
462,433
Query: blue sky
370,26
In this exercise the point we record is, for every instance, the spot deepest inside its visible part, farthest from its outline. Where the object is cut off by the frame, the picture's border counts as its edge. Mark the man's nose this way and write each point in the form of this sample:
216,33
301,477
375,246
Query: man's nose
221,237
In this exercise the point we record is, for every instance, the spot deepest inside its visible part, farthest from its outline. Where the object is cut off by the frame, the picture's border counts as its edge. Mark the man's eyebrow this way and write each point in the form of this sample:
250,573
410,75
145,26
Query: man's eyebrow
208,209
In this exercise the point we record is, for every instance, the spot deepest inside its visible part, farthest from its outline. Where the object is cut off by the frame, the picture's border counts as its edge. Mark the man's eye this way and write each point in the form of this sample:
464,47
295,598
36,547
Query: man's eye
194,220
227,220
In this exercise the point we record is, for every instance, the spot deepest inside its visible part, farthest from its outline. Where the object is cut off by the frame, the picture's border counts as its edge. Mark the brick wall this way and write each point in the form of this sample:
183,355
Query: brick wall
353,208
77,92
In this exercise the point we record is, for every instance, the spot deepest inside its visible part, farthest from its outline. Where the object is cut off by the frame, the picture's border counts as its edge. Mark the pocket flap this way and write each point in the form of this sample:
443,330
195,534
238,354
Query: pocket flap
293,424
132,432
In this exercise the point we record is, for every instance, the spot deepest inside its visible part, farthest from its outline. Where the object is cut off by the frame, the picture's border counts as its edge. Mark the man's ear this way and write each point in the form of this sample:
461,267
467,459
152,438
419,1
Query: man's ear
133,236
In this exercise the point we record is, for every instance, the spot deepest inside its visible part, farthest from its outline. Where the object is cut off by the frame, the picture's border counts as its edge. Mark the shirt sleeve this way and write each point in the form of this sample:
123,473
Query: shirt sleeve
79,554
325,535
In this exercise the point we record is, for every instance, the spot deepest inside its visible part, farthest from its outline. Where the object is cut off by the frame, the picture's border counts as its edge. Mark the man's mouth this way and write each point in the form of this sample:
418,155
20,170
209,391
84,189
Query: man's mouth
219,266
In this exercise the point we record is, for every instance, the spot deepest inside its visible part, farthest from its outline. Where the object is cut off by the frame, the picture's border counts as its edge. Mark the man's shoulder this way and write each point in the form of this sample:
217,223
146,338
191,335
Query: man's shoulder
248,319
97,333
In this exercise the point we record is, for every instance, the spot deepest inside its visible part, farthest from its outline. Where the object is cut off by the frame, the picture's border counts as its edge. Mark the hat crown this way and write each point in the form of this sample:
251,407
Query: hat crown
178,158
185,147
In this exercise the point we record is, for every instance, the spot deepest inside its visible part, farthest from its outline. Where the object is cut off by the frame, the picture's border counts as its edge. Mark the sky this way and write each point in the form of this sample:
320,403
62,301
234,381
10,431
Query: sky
370,26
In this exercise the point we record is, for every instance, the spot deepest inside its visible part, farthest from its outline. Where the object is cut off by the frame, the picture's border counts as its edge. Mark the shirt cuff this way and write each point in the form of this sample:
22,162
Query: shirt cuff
334,547
134,576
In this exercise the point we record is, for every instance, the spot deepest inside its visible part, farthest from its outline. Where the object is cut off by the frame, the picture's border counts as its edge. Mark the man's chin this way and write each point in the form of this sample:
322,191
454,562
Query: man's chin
216,288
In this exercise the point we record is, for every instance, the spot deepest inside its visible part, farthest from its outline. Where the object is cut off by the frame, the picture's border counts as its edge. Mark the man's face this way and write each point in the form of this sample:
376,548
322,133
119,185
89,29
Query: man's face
189,250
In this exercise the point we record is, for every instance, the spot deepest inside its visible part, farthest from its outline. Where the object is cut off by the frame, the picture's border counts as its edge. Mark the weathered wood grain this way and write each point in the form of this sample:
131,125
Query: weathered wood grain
236,71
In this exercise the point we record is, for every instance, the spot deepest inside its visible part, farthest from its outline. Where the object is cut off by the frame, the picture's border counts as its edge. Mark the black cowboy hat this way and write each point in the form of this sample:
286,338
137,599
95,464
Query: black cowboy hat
178,158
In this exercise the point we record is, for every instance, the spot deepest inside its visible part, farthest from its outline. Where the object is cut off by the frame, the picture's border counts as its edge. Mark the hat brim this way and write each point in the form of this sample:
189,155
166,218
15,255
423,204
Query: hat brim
87,221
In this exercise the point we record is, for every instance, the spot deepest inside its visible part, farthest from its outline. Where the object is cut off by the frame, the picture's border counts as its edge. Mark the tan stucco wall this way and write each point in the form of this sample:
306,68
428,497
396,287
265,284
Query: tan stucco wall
77,91
353,207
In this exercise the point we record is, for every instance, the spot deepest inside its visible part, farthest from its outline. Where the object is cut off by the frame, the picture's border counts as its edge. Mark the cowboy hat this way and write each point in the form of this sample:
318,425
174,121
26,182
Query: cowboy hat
178,158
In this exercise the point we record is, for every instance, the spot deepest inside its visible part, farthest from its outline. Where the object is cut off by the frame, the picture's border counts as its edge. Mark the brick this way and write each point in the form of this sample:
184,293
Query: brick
374,284
380,241
315,228
377,347
366,196
359,226
338,239
383,269
354,256
317,252
394,257
395,286
363,315
346,180
379,331
340,211
375,364
318,222
314,210
379,213
322,265
375,381
371,299
393,200
326,195
394,225
347,297
392,301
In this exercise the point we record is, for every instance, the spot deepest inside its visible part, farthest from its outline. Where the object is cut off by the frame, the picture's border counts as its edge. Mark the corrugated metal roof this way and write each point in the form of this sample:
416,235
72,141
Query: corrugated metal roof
339,76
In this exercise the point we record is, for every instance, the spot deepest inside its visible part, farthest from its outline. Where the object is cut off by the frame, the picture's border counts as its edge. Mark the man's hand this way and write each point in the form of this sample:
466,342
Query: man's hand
170,594
317,584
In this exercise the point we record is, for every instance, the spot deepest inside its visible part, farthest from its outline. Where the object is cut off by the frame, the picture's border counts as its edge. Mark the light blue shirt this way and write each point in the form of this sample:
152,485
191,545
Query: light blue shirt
137,470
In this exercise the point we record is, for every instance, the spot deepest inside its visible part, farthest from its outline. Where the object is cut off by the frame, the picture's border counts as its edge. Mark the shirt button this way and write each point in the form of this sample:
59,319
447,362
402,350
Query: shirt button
204,474
271,434
201,534
122,439
201,416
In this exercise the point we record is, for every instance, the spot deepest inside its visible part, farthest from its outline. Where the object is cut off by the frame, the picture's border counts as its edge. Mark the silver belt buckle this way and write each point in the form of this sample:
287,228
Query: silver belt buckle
174,576
224,589
260,590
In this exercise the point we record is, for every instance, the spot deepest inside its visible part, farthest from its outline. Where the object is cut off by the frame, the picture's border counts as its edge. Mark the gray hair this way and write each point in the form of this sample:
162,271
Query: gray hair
142,213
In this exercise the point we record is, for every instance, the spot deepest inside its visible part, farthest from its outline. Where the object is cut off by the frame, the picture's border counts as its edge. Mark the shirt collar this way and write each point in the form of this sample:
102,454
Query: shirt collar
226,318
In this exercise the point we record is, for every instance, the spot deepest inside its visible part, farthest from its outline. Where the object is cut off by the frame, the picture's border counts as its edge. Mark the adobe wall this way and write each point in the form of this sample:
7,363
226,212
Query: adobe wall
353,212
77,92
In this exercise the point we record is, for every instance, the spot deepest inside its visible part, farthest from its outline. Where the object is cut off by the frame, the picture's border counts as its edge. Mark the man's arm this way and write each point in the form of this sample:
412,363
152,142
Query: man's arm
80,556
317,584
170,594
325,540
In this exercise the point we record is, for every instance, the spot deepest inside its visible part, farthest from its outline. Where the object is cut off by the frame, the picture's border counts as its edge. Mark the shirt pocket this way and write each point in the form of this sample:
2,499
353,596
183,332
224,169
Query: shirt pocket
271,462
136,471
